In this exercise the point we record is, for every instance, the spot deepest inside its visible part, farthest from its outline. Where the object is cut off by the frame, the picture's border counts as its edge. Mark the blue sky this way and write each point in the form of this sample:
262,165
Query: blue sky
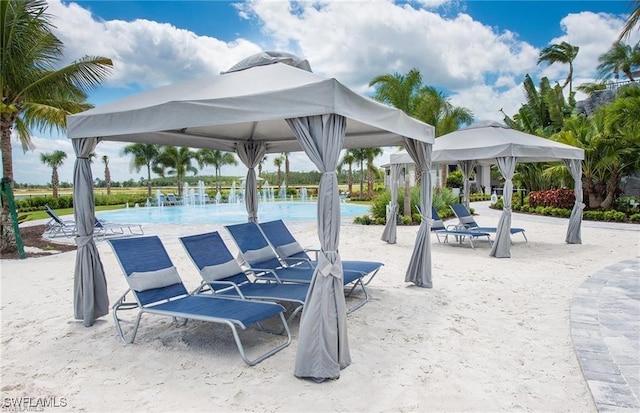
478,52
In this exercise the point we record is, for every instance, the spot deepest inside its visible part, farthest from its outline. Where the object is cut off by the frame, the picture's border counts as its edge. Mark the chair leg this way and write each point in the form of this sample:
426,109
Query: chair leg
359,303
253,362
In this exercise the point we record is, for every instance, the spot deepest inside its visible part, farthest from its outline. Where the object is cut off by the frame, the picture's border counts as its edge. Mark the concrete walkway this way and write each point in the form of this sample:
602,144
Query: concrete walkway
605,323
605,328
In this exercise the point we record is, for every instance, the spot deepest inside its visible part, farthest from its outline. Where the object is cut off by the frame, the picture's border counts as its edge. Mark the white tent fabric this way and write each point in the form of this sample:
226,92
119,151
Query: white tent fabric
487,141
502,243
389,234
257,104
574,235
323,348
90,298
419,270
250,153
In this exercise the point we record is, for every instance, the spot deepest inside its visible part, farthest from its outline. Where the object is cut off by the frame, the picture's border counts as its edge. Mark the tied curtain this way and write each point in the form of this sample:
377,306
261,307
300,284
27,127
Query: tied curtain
389,233
419,271
323,348
467,168
250,153
575,221
90,298
502,244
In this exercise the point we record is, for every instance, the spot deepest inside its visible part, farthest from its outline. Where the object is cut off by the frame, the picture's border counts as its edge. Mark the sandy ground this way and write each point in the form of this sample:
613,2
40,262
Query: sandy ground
492,335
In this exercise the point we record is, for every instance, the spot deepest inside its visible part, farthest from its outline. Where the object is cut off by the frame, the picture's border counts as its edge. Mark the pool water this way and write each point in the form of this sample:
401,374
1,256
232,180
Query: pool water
225,213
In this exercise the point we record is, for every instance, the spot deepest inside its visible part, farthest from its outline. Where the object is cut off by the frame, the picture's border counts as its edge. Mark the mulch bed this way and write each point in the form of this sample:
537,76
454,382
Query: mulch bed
32,237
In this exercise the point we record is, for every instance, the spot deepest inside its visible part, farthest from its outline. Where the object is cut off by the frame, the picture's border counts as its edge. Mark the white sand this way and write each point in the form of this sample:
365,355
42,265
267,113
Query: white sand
492,335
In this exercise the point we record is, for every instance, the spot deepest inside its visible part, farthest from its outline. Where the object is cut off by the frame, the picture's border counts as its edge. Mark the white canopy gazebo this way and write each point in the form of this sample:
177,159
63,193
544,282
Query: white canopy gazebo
268,103
489,143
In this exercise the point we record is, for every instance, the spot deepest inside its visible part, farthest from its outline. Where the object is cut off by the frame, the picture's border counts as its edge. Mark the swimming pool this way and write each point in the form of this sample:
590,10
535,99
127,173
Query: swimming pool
224,213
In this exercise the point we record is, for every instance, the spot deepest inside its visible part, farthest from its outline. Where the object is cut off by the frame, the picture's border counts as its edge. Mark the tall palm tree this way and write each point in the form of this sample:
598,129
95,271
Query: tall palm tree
371,155
561,53
277,162
286,169
107,173
54,160
348,159
144,154
359,157
35,93
620,58
176,161
217,159
634,18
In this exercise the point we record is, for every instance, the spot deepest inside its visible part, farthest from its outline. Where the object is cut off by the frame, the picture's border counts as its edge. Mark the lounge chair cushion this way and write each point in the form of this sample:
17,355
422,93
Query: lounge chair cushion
259,255
289,249
220,271
142,281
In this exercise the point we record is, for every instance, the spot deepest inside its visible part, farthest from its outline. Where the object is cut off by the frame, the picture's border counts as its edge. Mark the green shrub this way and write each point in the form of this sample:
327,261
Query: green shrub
616,216
454,179
363,220
379,221
634,218
406,220
593,215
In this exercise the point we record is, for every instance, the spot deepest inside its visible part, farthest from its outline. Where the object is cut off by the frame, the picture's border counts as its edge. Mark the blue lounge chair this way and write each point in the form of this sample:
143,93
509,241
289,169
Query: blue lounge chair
104,228
172,200
263,262
467,220
57,225
222,274
158,289
290,250
460,233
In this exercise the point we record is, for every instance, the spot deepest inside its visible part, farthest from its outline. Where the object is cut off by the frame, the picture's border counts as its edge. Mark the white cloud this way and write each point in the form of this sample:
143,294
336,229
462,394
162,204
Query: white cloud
353,41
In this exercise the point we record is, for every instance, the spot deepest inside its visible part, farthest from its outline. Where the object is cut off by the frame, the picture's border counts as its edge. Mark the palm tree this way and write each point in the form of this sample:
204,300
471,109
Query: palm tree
360,156
561,53
53,160
371,154
217,159
143,155
348,159
107,173
177,161
634,18
35,93
286,169
278,164
620,58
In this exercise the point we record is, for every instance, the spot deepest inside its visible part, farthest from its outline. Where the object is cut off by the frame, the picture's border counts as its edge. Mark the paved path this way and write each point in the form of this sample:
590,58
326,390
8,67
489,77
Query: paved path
605,324
605,328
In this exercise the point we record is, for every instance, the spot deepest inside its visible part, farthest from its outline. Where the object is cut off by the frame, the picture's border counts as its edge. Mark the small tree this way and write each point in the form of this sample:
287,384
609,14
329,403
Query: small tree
54,160
107,174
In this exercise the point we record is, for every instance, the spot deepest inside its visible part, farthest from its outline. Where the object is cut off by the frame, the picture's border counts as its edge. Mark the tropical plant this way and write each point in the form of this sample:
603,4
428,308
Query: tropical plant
107,174
348,159
277,162
175,161
217,159
407,93
54,160
360,156
561,53
36,94
144,154
619,58
632,21
371,154
286,169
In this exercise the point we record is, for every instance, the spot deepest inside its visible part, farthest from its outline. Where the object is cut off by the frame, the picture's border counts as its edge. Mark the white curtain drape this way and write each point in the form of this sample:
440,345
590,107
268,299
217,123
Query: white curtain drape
323,348
390,233
502,245
251,153
90,298
466,167
574,232
419,270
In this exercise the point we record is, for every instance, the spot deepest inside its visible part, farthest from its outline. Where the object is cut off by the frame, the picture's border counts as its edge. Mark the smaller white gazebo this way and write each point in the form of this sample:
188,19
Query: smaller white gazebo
490,142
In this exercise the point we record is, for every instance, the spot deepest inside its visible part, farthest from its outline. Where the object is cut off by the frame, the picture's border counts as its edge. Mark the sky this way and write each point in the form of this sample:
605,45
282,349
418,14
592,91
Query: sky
477,52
